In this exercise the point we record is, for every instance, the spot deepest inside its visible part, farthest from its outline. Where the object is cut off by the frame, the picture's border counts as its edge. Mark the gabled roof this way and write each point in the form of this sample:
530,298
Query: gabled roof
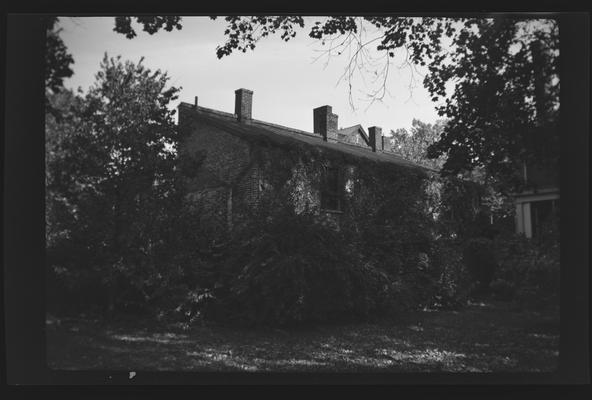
353,131
282,135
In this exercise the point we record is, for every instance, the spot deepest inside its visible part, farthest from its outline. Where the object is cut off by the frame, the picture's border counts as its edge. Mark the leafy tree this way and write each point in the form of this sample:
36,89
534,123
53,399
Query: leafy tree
57,58
464,204
58,135
57,62
111,178
504,109
413,145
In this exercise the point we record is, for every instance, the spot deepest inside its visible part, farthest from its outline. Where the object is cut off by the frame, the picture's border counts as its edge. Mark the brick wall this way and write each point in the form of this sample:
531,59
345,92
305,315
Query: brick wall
224,158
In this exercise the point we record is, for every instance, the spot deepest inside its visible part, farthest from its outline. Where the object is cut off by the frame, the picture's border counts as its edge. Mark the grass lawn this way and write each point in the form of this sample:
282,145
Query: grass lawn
483,337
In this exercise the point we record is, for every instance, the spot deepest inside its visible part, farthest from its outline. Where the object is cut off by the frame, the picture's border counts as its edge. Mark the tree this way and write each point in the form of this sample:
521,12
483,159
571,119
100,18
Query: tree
504,71
471,203
111,179
57,62
413,145
59,133
57,58
504,109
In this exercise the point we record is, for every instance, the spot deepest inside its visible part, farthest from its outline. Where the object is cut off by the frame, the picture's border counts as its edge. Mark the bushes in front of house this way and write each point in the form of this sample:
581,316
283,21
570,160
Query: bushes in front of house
290,269
528,272
135,280
437,280
454,283
480,260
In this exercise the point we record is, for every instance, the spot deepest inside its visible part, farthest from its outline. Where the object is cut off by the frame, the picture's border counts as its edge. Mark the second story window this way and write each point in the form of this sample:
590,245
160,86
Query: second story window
332,190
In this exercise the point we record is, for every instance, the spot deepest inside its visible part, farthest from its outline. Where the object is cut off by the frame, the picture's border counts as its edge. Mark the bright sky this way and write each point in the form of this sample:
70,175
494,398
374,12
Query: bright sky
286,81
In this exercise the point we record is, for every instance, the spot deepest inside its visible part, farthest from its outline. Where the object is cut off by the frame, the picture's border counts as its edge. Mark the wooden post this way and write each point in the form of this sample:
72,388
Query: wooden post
519,219
527,220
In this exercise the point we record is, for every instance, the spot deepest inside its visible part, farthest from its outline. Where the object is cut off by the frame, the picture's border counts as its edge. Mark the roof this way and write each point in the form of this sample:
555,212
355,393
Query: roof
354,130
351,133
283,135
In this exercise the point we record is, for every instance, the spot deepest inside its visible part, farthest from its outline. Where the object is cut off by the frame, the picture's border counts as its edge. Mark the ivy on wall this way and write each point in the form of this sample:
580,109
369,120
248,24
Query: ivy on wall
385,206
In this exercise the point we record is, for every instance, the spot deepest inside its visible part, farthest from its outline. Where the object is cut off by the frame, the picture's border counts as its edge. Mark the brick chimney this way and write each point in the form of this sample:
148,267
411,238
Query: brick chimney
376,142
325,123
243,104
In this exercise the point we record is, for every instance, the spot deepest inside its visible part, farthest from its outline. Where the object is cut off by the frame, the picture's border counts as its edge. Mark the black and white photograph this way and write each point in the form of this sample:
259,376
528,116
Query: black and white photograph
371,193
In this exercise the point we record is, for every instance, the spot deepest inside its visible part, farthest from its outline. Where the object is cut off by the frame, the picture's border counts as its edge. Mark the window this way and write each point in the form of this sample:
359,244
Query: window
331,189
541,213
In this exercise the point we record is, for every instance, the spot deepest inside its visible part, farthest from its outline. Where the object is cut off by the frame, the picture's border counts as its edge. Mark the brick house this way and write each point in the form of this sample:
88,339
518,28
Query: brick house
226,175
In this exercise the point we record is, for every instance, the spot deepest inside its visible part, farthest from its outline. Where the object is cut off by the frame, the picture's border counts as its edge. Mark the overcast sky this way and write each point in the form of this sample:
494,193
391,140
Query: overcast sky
286,81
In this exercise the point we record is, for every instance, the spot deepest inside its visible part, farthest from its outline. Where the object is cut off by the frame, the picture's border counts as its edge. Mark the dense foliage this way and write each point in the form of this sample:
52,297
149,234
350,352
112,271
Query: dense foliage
480,259
290,269
467,205
454,285
58,63
111,183
413,144
529,269
57,59
505,105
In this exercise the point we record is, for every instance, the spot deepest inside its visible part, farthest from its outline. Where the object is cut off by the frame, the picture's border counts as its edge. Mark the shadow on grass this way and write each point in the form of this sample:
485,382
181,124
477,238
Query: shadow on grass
490,338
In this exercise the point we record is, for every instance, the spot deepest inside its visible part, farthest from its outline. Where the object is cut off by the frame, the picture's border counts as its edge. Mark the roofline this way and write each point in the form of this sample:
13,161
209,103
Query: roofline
349,127
361,129
231,115
404,161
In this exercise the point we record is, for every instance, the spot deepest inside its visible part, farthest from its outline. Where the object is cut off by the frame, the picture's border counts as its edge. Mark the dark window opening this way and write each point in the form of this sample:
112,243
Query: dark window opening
331,190
541,213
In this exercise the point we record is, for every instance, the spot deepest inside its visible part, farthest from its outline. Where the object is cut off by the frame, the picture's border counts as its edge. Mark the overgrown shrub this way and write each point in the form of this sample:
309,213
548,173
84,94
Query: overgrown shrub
454,284
529,270
154,281
292,269
480,259
503,289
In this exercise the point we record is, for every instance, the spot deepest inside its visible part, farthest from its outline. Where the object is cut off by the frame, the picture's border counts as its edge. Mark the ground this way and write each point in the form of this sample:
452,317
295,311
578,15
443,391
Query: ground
483,337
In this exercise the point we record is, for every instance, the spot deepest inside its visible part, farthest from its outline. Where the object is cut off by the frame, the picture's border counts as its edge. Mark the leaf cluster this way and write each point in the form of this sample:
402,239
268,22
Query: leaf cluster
244,32
150,24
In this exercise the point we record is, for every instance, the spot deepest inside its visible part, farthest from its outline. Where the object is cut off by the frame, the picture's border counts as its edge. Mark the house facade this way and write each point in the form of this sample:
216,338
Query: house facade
229,168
